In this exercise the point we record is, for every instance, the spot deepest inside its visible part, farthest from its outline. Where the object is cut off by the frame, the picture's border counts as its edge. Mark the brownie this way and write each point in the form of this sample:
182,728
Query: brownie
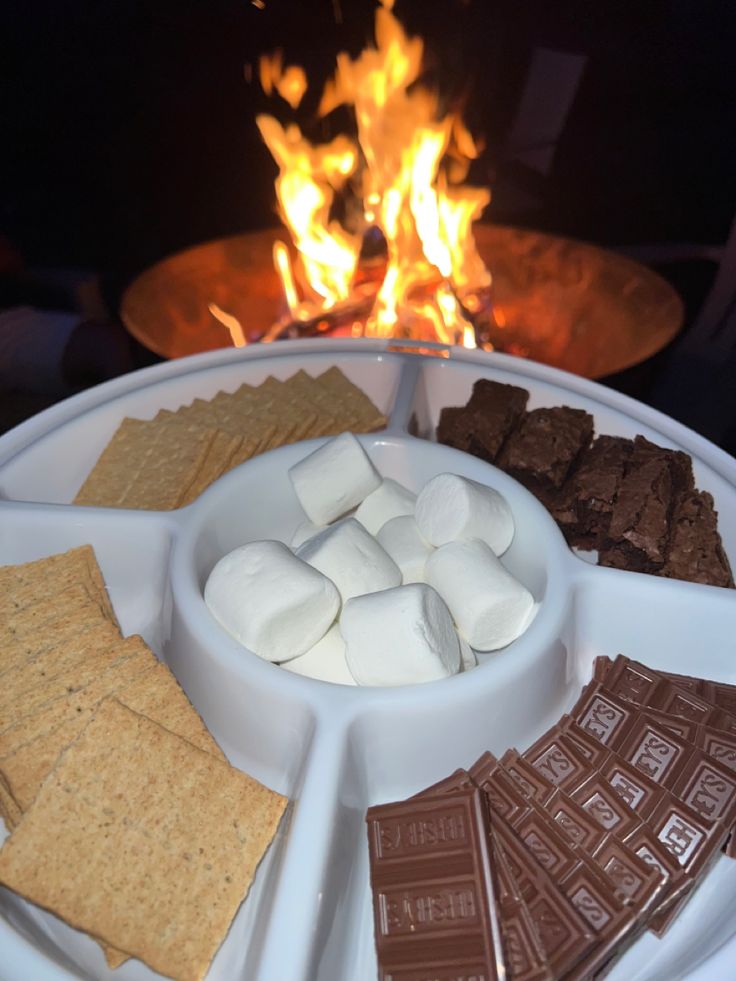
681,465
638,533
456,427
589,494
481,426
561,505
542,450
695,550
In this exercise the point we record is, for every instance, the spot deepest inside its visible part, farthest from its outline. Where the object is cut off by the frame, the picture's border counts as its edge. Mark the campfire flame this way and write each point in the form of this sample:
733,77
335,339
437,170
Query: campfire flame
402,174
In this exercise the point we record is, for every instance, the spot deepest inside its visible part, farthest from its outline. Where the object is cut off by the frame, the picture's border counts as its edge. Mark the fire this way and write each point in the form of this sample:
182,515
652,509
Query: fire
402,173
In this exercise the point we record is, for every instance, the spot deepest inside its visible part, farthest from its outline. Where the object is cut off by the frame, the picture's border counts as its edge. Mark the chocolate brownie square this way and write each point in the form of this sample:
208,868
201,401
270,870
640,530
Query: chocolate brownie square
638,533
482,426
695,550
681,466
456,427
589,494
542,450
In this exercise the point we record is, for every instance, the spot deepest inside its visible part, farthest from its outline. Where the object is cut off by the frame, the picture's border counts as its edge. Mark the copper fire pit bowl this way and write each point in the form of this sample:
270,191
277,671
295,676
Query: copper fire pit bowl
558,301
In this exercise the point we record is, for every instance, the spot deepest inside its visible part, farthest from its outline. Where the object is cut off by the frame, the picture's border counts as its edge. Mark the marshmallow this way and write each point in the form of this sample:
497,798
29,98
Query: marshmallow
325,661
270,601
400,537
490,607
387,501
305,531
334,479
399,637
450,508
351,558
467,656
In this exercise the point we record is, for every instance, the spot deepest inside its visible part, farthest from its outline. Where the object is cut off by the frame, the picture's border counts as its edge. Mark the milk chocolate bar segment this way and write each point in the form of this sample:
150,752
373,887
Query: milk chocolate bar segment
564,934
641,685
524,955
556,758
641,882
602,714
585,744
433,894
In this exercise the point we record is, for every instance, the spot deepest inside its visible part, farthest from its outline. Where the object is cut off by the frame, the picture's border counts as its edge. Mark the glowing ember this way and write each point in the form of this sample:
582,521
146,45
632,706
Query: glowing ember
402,176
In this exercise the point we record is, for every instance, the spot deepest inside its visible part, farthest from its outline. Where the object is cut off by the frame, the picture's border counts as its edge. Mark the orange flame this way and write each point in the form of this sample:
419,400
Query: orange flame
406,167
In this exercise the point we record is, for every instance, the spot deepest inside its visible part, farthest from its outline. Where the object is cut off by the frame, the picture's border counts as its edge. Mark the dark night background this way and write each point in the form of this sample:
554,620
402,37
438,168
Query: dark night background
127,128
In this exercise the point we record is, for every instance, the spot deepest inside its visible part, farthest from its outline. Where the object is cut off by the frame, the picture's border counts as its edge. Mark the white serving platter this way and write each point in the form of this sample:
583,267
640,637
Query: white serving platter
336,750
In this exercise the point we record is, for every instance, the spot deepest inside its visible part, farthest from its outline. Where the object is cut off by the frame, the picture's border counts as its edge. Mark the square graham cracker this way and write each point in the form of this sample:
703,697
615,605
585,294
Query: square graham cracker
143,841
25,583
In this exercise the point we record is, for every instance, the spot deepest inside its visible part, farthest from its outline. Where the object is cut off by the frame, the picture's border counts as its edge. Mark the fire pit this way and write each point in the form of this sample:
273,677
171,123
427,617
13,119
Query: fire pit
561,302
379,217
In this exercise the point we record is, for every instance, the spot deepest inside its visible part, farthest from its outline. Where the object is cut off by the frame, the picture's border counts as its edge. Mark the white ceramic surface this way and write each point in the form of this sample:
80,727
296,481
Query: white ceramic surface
337,750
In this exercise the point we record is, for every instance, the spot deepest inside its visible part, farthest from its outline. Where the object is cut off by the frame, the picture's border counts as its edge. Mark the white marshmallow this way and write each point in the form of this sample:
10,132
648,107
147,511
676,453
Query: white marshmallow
334,479
305,531
399,637
351,558
387,501
451,508
400,537
325,661
271,601
490,607
467,656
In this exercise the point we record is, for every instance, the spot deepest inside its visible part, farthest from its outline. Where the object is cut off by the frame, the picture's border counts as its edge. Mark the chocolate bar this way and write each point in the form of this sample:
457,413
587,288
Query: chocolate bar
564,934
717,692
433,891
637,683
556,757
583,831
609,912
523,952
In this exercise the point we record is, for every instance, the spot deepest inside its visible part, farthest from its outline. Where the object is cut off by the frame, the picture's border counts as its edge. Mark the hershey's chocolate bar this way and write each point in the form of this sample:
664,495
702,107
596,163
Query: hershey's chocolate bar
564,934
635,682
433,893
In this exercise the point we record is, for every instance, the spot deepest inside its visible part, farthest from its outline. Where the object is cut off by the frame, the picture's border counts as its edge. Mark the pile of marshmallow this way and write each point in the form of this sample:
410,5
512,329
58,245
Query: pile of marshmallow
401,591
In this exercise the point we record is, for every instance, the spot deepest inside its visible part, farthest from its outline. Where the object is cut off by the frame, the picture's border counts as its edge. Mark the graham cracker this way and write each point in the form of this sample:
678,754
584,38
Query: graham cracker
42,735
18,649
353,400
223,448
73,602
57,671
298,419
146,465
27,582
144,841
9,810
155,694
328,422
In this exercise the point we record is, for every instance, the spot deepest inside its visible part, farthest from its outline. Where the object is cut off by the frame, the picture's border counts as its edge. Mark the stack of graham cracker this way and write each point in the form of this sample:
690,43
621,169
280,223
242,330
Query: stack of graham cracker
127,820
166,462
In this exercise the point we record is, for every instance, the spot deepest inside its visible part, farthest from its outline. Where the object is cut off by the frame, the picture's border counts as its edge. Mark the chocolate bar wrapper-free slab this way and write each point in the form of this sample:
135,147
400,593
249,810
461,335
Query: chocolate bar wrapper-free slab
433,895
